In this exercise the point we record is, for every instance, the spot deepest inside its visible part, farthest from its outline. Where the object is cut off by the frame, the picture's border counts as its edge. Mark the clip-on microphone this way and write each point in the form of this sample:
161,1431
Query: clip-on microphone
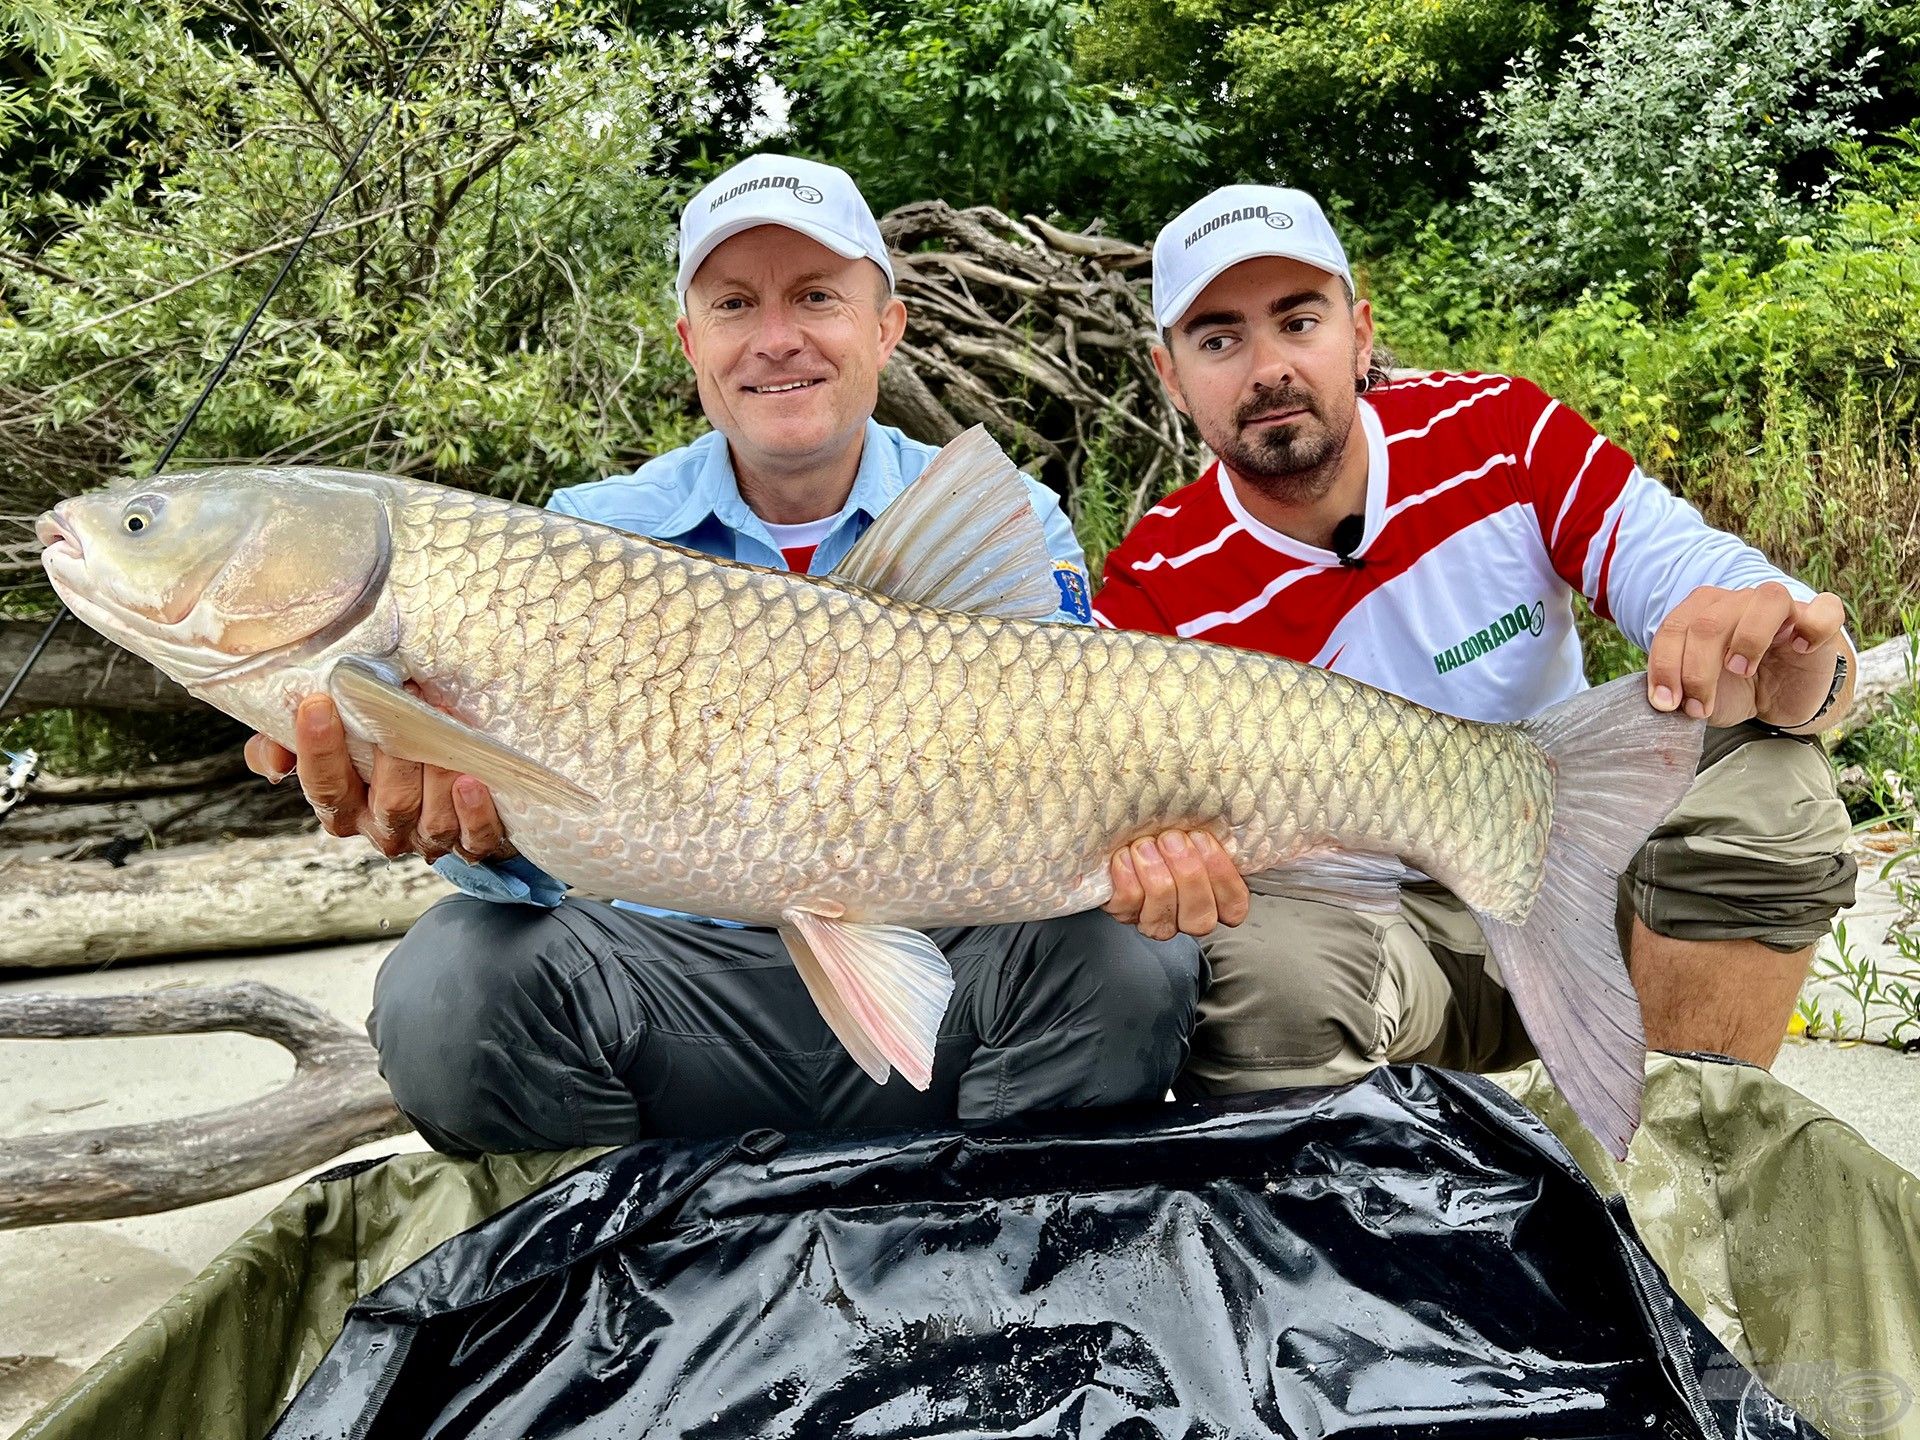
1347,536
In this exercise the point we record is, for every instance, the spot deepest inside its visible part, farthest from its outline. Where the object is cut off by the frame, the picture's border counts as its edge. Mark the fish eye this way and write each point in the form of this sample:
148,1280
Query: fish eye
140,514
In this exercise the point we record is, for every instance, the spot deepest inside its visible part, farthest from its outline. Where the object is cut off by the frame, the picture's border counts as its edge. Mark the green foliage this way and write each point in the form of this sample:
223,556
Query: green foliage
1874,988
489,302
55,132
977,101
1097,507
1665,135
1370,104
1894,29
1879,987
1887,748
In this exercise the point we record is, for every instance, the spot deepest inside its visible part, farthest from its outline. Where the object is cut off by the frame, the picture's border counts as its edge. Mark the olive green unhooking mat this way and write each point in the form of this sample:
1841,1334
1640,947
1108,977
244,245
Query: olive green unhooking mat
1795,1240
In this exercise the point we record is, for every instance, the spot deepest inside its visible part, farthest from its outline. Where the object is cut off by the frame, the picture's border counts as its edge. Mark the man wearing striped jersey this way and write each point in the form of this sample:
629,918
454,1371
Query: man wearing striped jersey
1427,534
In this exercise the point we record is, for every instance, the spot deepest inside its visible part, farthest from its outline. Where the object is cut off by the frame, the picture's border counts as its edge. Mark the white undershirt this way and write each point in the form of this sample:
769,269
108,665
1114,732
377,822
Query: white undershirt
796,543
792,537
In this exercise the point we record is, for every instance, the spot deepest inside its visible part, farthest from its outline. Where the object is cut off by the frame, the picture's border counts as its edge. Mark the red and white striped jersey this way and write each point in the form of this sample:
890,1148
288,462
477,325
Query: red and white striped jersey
1488,504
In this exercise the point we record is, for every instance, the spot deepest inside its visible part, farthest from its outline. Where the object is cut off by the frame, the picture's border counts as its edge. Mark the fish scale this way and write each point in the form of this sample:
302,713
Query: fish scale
760,739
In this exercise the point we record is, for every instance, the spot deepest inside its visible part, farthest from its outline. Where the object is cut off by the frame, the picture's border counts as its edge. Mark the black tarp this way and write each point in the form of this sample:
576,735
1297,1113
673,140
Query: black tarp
1410,1255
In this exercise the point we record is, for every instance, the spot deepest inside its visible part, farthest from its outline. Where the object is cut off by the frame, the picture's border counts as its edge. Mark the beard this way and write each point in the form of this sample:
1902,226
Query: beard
1291,464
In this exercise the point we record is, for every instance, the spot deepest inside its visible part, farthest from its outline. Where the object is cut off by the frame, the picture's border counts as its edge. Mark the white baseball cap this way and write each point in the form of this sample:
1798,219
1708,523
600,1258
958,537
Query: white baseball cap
1235,223
819,201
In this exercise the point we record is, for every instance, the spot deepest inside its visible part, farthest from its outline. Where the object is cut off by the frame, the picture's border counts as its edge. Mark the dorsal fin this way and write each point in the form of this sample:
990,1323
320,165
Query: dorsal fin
964,536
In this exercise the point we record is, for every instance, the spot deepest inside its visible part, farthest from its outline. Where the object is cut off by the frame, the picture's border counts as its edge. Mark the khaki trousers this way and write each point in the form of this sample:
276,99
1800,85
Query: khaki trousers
1305,993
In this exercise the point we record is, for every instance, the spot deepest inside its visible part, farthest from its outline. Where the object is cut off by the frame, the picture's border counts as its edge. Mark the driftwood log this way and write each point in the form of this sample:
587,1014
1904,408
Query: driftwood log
145,782
308,889
82,668
335,1101
122,825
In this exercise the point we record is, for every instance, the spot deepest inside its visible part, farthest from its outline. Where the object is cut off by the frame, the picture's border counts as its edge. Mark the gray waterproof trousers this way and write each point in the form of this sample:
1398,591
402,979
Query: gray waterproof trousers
509,1027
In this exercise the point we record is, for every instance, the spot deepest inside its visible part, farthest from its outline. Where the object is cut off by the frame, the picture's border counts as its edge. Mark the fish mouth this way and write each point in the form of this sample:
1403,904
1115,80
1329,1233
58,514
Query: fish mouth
55,538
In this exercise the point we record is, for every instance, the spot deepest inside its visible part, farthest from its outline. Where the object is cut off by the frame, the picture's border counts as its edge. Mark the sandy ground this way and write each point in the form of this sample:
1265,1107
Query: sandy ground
68,1293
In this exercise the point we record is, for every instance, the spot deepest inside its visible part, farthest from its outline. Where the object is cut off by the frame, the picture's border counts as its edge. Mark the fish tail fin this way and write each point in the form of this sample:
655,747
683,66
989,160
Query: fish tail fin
1620,767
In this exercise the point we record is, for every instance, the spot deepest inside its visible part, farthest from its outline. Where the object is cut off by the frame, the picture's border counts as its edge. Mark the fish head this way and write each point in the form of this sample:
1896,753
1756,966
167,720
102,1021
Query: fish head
209,573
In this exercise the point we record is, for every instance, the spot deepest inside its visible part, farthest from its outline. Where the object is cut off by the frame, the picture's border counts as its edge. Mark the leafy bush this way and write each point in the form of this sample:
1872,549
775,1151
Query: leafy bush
1785,400
489,302
1667,133
1370,104
977,102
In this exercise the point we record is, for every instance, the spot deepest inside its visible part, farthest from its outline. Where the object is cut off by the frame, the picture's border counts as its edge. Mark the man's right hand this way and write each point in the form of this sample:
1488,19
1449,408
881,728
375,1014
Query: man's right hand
1176,883
409,808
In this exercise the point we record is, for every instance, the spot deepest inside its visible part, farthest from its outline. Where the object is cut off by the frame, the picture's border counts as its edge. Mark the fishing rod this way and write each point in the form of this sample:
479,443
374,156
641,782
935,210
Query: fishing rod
20,768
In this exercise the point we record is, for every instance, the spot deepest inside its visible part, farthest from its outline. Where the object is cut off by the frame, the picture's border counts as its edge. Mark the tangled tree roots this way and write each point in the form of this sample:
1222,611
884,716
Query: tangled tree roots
1042,335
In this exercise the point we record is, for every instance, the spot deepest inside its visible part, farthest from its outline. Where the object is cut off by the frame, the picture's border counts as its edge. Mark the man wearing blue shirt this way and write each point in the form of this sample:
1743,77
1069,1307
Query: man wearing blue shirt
514,1017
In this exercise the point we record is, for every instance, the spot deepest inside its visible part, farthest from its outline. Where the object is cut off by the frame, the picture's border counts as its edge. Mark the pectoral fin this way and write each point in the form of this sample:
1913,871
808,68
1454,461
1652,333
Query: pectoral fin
883,990
1346,878
405,726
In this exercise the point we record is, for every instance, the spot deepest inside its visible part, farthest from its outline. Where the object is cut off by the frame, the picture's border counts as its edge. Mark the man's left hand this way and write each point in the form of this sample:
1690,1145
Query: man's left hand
1731,655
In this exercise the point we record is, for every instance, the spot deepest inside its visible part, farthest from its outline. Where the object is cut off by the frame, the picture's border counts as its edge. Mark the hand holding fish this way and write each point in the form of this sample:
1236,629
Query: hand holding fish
1726,656
407,809
1176,883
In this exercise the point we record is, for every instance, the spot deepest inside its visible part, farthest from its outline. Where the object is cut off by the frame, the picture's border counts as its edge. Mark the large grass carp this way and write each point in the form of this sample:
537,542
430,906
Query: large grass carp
901,745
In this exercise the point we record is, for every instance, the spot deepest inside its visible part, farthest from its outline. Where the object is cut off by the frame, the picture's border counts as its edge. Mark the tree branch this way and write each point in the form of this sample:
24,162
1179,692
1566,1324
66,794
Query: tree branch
27,262
335,1101
259,894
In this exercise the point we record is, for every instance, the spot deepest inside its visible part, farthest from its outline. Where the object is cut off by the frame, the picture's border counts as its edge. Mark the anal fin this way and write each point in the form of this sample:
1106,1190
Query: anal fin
882,989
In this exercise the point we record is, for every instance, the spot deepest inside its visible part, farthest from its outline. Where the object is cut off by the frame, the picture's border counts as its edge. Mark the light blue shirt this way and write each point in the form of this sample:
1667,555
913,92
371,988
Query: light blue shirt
690,497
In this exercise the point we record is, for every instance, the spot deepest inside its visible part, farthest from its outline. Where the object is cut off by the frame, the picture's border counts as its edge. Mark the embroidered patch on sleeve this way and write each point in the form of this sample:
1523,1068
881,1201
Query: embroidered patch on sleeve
1074,598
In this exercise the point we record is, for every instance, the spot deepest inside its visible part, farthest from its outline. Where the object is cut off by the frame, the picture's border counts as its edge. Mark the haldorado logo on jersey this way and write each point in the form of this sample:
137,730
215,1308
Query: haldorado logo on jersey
1522,619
